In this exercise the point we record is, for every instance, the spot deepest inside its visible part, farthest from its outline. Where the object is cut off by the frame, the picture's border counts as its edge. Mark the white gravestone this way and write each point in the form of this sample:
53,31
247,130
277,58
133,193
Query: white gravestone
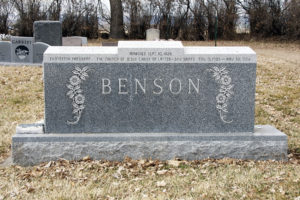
152,34
72,41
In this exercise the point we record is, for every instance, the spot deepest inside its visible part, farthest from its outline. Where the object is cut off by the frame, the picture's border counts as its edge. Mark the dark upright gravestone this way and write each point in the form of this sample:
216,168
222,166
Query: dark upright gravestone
5,51
156,100
38,51
49,32
22,49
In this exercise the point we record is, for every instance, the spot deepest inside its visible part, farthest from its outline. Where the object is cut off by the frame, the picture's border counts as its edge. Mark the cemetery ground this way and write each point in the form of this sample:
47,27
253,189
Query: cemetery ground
277,104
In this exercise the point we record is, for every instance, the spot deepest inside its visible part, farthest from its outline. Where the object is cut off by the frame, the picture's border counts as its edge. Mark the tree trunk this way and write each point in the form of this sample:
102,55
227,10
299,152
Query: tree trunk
116,22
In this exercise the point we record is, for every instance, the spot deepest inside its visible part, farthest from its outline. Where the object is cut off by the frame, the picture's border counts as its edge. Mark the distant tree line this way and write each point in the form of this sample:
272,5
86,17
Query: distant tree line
176,19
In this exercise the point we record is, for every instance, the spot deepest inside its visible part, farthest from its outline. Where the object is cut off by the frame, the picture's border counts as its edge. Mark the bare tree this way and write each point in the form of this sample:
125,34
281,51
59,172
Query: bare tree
71,24
6,8
292,19
229,19
54,10
81,18
165,13
210,10
176,19
116,22
138,18
104,15
183,19
199,24
90,22
28,12
266,17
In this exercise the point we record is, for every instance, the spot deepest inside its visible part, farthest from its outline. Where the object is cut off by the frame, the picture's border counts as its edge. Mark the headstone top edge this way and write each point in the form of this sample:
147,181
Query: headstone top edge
69,50
22,37
150,44
196,50
48,21
219,50
1,41
42,43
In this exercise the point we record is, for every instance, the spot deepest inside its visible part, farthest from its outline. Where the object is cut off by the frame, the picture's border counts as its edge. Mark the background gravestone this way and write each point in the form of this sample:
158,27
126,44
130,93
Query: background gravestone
152,34
84,40
5,51
38,51
22,49
72,41
49,32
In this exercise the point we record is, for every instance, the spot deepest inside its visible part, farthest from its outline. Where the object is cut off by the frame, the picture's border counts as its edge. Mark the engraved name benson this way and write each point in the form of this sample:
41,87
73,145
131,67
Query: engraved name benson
175,86
220,74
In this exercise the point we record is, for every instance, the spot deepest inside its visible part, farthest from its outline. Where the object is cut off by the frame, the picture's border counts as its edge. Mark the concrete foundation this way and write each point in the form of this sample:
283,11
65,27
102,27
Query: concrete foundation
30,145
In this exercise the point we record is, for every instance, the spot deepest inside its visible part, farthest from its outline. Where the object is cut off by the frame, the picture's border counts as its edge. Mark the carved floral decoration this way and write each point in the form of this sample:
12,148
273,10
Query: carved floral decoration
222,77
76,93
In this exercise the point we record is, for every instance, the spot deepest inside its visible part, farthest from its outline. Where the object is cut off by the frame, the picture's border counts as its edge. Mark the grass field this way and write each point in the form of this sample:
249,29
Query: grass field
277,103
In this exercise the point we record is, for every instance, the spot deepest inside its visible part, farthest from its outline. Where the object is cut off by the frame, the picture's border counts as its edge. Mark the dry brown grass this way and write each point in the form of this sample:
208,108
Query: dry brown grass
277,103
21,101
209,179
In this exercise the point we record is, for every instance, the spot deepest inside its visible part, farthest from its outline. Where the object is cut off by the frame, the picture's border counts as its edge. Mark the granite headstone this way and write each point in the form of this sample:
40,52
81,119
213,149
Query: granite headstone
49,32
38,51
142,100
22,49
135,88
5,51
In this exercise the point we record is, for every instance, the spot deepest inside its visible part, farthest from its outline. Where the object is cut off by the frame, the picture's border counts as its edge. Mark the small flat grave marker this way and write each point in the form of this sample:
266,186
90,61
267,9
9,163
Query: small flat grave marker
72,41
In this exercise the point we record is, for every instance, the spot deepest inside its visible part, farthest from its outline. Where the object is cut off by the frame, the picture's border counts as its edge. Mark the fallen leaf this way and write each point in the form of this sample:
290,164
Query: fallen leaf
162,172
30,189
115,184
281,191
161,184
86,158
48,164
174,163
141,162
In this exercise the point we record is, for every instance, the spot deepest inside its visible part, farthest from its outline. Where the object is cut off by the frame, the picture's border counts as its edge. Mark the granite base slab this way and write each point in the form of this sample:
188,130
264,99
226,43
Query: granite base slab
30,145
10,64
